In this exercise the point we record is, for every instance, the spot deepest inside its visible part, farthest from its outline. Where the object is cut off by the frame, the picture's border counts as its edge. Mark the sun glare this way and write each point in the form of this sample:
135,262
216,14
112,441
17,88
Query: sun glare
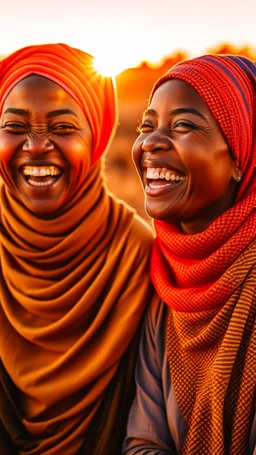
107,66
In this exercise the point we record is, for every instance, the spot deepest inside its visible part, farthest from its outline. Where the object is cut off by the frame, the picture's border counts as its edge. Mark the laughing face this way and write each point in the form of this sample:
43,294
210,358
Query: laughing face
42,128
183,160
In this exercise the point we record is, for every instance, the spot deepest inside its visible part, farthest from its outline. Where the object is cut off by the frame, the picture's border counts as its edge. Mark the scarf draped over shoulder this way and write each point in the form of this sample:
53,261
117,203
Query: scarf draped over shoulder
73,287
208,279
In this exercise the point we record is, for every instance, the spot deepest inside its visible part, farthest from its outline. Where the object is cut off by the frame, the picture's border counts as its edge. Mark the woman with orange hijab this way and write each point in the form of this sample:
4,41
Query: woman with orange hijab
196,157
74,260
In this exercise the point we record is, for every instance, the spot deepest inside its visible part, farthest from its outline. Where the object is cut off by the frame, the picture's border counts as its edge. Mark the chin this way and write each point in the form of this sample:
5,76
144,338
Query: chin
161,214
43,209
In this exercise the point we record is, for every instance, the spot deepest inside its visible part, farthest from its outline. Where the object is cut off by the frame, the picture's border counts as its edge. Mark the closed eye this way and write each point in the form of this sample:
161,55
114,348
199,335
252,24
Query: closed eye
144,127
184,126
63,128
14,127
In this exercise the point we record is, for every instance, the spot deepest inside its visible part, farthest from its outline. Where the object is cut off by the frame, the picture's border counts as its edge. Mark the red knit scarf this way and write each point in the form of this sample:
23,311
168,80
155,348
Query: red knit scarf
187,270
209,279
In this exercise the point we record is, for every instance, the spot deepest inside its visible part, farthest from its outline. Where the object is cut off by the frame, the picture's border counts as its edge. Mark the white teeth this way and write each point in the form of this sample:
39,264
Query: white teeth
38,171
36,183
164,174
151,173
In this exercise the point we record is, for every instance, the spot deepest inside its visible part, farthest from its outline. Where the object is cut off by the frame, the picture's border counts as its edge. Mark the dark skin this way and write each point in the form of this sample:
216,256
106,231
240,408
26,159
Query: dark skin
43,128
179,135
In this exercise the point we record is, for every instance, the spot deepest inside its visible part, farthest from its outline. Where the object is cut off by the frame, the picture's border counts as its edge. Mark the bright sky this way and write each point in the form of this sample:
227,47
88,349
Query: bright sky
120,34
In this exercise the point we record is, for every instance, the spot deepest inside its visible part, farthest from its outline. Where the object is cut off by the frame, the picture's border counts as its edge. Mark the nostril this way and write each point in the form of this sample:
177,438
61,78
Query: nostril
49,145
156,143
37,145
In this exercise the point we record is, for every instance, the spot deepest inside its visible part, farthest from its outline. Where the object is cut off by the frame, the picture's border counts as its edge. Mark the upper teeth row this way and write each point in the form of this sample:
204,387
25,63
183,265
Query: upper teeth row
162,173
38,171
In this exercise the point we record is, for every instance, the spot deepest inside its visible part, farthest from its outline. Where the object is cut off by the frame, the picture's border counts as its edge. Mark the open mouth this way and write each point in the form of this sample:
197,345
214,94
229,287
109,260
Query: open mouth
160,177
41,176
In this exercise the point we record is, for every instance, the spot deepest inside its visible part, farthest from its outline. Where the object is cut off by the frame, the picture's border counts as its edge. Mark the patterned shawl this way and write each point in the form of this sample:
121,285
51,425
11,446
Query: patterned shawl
209,279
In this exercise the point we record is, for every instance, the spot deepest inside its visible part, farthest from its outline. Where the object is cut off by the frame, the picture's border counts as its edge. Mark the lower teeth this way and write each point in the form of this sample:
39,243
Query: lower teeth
36,183
155,184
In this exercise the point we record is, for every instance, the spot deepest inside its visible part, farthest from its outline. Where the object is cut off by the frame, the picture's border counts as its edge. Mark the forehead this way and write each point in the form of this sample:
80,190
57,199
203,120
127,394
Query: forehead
177,93
38,91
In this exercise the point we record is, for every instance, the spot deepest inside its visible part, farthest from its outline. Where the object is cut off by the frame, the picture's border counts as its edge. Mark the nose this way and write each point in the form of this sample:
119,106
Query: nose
37,145
155,142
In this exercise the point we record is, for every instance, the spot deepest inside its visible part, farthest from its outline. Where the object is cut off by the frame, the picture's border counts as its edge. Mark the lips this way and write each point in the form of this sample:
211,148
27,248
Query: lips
41,175
163,173
160,177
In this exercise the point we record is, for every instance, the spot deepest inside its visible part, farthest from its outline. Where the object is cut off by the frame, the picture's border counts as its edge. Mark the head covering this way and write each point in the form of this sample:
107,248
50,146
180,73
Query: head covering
208,279
73,287
226,83
73,70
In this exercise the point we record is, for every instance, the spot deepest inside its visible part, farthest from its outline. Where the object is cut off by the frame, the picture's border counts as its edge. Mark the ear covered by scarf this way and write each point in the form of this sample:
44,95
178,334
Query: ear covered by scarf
73,70
227,84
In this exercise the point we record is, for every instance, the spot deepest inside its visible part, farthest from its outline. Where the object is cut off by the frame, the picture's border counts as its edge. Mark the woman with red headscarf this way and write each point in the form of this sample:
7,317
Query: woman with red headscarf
196,157
74,260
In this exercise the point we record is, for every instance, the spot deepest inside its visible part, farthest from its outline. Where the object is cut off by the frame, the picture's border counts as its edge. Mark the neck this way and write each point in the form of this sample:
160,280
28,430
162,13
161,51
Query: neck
201,224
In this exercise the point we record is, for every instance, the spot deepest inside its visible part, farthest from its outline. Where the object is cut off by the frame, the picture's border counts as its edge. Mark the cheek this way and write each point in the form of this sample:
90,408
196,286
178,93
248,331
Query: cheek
74,149
8,147
137,152
77,152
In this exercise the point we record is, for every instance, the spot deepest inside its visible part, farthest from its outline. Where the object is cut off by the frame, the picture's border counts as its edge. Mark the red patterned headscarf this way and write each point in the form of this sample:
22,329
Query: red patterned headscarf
226,83
209,279
227,86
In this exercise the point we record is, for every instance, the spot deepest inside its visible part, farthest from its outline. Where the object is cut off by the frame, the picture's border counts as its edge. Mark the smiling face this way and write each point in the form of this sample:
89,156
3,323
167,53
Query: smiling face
43,129
183,160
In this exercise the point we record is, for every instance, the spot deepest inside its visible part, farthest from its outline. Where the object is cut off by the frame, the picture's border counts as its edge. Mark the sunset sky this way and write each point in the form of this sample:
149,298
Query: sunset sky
120,34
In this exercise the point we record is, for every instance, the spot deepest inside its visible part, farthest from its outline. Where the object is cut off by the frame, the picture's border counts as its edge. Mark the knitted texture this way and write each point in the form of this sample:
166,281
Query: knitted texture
208,279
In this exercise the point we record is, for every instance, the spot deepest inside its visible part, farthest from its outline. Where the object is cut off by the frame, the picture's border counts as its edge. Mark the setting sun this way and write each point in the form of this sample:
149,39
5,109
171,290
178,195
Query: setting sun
107,66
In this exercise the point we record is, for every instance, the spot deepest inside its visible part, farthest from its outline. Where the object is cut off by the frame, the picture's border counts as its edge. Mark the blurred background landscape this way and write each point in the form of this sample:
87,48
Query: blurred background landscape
134,86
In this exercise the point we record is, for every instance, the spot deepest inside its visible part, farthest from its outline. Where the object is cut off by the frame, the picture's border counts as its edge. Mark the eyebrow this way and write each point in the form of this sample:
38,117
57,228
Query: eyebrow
13,110
180,110
60,112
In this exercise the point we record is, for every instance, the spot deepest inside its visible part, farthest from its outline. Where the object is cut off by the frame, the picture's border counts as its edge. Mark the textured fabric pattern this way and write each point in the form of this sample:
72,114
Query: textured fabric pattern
73,287
187,270
212,364
208,279
156,424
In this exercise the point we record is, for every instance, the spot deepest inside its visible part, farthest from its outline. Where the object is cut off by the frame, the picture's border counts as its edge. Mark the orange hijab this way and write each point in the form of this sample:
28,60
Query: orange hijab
73,288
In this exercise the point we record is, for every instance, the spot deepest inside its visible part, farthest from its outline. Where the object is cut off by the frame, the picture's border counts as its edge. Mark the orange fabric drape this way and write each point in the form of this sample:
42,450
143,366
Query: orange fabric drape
73,287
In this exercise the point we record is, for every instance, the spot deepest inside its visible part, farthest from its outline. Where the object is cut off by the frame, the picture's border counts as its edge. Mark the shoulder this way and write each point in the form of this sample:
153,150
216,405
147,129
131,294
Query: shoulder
138,233
141,230
134,227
